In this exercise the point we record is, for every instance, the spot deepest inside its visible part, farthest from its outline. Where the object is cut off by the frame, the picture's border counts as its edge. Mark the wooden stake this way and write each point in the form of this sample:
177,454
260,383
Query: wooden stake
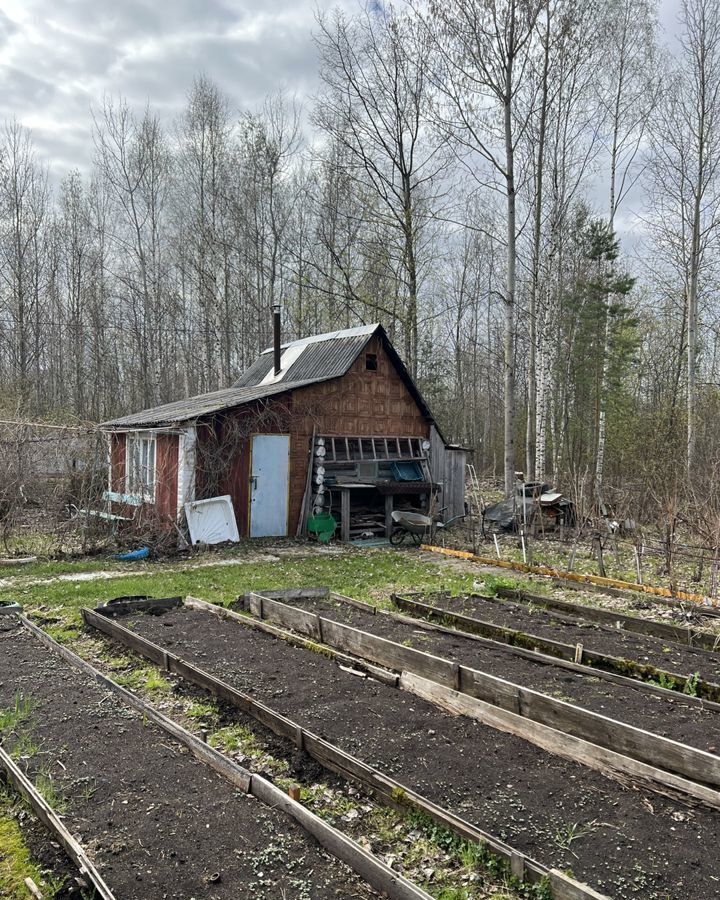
294,793
572,558
497,546
33,889
578,653
638,565
601,562
522,543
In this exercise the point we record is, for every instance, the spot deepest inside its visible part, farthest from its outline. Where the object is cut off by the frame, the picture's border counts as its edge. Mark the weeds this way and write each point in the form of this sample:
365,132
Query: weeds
144,679
202,711
15,861
19,714
691,685
25,746
45,786
568,834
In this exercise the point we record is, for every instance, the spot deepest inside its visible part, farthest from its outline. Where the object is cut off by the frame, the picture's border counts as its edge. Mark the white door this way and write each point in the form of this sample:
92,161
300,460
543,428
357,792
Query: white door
269,482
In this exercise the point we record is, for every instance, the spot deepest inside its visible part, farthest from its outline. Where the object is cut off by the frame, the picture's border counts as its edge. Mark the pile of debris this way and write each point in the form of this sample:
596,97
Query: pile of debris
534,505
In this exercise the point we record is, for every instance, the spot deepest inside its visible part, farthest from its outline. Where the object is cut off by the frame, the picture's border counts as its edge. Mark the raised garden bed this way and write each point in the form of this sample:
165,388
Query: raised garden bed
664,655
627,842
663,712
154,820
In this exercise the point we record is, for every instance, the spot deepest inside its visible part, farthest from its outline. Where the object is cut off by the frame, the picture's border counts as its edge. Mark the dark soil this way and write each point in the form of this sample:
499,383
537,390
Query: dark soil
626,842
668,714
662,654
157,823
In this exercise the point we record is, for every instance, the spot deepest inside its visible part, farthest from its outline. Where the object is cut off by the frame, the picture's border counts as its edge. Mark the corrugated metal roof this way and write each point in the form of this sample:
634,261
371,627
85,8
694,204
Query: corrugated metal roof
319,360
203,404
322,357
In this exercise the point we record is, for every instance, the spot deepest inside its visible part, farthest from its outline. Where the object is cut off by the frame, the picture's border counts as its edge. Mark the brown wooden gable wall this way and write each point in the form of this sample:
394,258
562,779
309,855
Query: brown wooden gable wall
366,402
363,402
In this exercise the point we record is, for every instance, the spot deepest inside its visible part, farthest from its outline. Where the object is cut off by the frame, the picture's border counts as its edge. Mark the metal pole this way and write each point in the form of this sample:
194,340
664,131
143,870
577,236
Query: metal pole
276,338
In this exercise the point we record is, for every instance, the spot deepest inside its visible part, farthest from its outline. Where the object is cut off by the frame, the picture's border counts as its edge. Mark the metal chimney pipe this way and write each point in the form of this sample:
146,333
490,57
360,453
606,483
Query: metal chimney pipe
276,337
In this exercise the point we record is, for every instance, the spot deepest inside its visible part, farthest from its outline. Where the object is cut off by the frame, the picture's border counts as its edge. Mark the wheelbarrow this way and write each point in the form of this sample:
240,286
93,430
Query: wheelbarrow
408,525
413,525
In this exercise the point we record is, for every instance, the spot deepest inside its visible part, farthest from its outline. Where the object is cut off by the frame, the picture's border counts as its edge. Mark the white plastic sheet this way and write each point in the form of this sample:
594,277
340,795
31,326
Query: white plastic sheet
212,521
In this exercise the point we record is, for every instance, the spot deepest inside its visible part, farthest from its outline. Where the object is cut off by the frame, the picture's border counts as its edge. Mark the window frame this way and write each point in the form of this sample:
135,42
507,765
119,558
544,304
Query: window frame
134,466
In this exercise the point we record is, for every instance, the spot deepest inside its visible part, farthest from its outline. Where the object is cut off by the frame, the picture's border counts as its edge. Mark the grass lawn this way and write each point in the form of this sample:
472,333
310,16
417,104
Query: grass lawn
15,860
365,575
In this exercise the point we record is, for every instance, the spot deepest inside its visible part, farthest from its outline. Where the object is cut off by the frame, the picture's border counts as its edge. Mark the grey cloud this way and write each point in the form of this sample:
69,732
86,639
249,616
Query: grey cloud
21,91
7,28
57,60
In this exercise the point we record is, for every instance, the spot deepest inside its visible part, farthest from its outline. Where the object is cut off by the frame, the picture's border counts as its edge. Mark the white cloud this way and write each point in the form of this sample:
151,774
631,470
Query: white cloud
59,58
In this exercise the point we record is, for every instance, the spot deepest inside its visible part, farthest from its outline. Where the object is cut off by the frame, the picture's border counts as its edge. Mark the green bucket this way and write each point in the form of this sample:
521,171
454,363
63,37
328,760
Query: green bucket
322,526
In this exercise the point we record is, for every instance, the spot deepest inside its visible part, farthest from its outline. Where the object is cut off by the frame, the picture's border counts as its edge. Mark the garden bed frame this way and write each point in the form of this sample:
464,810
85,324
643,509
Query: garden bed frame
555,725
706,691
331,757
376,873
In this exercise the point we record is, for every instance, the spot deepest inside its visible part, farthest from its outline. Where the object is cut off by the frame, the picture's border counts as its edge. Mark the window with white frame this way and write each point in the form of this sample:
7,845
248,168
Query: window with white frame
140,465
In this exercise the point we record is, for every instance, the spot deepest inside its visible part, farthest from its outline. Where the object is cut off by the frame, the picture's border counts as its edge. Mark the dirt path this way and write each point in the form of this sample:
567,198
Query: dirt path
624,842
271,554
157,823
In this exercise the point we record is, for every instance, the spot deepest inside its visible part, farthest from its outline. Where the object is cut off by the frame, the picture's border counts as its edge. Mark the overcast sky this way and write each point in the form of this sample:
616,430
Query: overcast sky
58,58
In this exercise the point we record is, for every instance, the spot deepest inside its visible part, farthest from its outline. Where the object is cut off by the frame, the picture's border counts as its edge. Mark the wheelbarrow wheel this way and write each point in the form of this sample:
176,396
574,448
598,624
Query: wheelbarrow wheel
397,536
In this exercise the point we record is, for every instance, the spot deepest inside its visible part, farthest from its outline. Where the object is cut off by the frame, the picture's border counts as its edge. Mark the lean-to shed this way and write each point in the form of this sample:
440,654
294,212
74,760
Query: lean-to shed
343,399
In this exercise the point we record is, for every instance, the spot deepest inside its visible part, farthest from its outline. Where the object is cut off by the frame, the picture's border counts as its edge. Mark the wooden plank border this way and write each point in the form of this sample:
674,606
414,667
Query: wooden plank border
708,608
22,784
372,870
685,635
601,664
326,754
663,757
534,655
569,576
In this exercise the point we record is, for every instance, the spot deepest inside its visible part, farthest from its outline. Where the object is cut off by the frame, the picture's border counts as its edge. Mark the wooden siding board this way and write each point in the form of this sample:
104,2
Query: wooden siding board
117,462
166,475
454,495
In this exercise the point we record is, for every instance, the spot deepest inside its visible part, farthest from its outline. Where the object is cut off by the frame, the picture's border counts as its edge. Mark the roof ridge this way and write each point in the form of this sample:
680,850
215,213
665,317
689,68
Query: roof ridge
356,331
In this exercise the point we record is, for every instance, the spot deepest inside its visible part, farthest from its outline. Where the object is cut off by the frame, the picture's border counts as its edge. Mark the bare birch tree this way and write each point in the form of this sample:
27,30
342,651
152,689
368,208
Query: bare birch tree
375,103
628,98
685,183
482,52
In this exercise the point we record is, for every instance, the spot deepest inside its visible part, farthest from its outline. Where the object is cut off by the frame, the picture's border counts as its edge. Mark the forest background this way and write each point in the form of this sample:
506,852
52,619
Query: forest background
525,193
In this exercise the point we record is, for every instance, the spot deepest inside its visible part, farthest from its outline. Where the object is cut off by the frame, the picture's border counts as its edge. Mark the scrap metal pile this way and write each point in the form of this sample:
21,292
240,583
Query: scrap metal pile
533,505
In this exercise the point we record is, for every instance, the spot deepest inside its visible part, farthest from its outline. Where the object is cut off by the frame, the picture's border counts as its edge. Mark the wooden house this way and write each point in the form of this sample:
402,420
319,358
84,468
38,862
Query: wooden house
330,422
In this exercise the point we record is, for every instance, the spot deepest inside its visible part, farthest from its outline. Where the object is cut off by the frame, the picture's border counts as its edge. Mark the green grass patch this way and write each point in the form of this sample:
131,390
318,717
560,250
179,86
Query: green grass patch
16,862
45,786
18,714
145,679
63,634
204,712
366,575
